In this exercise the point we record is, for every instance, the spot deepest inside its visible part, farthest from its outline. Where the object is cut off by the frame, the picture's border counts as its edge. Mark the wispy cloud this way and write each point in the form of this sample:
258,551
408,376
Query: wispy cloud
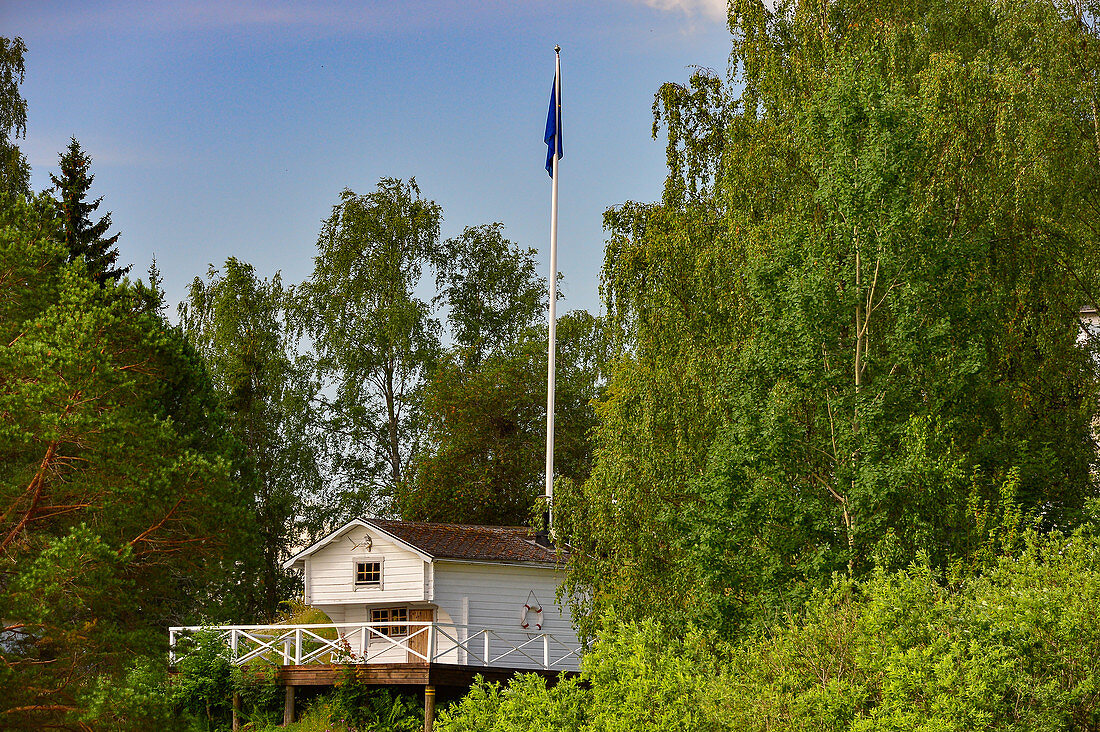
710,9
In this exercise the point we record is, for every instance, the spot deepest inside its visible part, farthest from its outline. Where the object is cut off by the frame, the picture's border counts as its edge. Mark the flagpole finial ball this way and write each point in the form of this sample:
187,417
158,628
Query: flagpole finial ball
557,48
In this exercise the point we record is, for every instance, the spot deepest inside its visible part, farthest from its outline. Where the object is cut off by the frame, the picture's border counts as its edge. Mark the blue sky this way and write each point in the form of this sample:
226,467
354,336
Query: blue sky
229,128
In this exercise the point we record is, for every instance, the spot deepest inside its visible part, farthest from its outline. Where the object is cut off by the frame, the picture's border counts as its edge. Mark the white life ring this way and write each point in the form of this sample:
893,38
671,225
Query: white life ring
528,608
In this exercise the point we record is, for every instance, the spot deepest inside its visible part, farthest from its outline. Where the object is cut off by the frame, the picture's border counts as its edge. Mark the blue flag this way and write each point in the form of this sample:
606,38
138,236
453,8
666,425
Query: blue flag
553,130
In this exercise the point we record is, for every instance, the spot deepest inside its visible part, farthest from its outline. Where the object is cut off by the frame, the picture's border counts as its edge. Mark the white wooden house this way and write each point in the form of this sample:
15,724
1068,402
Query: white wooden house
414,593
415,603
489,593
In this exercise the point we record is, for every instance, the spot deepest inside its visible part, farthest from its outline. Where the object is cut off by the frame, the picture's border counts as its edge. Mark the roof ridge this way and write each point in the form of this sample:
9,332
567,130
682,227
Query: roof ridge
450,523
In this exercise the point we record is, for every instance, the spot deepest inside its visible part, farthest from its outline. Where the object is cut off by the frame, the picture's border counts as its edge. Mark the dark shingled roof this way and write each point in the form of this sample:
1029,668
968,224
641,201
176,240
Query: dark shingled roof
478,543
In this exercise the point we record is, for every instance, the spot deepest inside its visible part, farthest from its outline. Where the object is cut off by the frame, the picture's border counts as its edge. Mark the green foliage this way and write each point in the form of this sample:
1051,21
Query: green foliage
365,708
491,290
116,507
374,339
1015,648
84,238
201,691
482,411
239,325
636,677
204,682
1009,650
15,173
484,425
484,442
140,700
261,697
849,330
524,704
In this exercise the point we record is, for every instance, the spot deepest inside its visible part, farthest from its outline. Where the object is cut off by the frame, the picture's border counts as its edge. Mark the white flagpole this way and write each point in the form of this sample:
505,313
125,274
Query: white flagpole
553,334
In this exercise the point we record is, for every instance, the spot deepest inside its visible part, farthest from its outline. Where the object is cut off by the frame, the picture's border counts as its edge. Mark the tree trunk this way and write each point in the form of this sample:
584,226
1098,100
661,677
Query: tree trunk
391,415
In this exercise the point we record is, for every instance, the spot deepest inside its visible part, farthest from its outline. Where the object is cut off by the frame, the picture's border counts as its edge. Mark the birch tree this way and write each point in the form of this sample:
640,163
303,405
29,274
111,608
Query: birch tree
373,336
15,173
849,331
238,323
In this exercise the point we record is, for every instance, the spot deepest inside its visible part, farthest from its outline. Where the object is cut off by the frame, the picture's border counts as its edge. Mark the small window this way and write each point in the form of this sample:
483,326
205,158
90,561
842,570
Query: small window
391,615
368,573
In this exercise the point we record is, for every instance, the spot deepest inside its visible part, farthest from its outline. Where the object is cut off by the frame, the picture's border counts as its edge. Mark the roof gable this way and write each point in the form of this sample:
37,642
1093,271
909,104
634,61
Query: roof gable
329,539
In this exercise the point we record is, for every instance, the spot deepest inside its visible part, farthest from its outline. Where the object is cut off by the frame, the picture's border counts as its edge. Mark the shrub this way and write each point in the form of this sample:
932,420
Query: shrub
1014,648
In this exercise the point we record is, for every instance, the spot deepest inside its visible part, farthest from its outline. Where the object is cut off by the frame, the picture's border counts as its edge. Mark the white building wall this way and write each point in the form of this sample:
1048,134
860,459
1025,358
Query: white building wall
468,597
493,596
331,574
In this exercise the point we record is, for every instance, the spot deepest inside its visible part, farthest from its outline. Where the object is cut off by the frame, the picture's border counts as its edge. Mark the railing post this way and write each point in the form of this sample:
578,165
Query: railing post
431,642
297,646
545,651
171,647
363,639
485,658
233,644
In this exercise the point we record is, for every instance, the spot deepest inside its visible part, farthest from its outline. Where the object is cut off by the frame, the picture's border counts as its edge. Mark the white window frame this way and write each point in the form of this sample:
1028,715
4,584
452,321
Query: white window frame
355,584
389,611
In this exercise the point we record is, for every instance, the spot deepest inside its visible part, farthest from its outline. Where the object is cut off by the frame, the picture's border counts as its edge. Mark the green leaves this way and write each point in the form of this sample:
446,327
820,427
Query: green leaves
490,290
15,173
1013,649
240,325
374,338
115,500
854,316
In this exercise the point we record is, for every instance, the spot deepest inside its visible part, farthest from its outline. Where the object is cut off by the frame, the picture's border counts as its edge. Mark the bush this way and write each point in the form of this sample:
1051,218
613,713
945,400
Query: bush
203,686
261,698
139,700
365,708
1015,648
524,704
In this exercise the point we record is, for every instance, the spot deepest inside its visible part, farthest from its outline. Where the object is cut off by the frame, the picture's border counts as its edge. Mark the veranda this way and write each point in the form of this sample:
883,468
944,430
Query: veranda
409,653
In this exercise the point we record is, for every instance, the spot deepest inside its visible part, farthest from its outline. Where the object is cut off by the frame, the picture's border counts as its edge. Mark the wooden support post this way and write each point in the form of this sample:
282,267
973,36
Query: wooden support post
429,708
236,712
288,709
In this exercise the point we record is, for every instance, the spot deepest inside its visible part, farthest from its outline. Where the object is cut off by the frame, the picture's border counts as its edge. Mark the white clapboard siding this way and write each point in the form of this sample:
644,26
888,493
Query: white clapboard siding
331,573
493,595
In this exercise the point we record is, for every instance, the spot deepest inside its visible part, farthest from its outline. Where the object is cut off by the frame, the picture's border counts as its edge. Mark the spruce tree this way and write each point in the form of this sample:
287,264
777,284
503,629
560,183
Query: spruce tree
82,236
15,173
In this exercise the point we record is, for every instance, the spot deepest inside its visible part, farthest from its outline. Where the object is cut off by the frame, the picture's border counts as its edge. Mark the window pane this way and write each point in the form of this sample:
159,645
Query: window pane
368,573
399,615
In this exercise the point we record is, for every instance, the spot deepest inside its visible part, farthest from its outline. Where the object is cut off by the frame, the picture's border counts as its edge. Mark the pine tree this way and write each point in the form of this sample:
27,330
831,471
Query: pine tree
82,236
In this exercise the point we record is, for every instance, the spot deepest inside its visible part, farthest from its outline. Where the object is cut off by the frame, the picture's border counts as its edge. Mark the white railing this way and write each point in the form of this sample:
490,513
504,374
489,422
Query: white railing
398,642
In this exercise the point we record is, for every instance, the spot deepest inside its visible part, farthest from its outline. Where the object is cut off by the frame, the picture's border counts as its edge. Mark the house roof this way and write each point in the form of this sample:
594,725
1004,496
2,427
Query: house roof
468,542
456,542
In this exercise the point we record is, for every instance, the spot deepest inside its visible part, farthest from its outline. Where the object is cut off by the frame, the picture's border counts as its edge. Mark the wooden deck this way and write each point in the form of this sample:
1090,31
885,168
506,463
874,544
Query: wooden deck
423,655
403,674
